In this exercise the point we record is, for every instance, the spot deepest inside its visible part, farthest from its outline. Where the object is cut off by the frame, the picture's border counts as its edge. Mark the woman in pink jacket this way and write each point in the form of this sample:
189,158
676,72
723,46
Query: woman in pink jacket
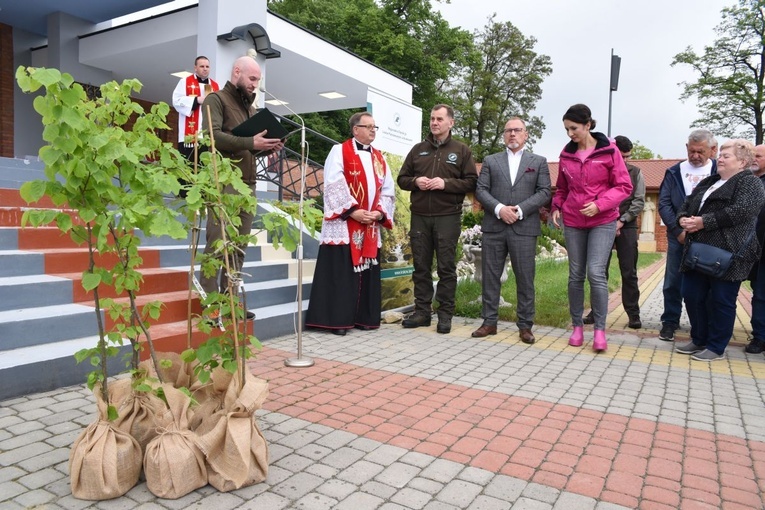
592,181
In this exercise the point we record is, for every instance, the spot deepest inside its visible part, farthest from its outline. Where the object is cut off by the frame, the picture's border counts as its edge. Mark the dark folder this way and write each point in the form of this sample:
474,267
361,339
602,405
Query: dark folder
264,120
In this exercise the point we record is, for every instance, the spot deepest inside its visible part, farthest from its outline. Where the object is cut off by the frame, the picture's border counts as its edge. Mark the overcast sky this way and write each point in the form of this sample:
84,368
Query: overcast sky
578,37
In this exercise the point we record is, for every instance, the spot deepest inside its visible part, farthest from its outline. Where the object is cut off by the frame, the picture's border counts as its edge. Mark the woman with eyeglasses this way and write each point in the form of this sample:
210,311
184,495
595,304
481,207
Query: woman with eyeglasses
721,212
592,182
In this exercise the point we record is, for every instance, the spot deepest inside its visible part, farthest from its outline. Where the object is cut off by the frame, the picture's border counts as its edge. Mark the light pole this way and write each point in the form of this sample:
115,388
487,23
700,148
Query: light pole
616,62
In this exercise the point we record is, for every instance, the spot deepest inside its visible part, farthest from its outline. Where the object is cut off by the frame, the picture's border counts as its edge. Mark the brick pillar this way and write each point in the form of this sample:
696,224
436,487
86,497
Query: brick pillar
7,84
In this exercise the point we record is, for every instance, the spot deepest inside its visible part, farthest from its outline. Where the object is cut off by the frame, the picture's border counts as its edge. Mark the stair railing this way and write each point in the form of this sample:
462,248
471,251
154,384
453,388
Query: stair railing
283,170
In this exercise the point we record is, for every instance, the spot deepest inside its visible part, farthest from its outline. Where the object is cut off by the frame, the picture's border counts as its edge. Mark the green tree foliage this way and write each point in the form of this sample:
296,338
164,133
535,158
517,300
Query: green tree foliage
115,180
406,37
502,79
731,71
110,174
640,151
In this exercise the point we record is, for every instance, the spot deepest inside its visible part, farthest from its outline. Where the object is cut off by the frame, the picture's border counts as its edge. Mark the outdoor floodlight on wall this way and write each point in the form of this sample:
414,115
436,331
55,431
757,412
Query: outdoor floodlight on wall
259,38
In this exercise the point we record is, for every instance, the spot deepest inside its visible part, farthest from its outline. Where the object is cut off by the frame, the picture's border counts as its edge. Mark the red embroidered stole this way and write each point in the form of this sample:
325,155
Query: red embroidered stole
363,238
193,88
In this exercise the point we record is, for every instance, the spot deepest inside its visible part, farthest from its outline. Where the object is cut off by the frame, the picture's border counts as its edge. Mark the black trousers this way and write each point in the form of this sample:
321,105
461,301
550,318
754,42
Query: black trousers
340,297
429,236
626,244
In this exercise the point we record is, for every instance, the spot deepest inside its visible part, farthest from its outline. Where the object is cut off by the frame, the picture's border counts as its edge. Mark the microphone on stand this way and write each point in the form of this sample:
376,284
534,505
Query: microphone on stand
300,361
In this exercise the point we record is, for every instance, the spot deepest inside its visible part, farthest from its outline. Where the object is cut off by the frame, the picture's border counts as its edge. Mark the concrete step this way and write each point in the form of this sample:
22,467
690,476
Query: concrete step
174,336
20,263
10,216
155,281
30,291
178,256
13,216
45,367
278,320
70,260
43,238
175,306
270,322
45,325
267,270
9,238
15,172
274,292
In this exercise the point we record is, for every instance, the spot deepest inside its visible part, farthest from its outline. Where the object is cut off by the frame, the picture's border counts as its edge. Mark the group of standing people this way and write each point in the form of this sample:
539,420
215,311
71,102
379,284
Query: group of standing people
597,201
716,201
713,200
594,197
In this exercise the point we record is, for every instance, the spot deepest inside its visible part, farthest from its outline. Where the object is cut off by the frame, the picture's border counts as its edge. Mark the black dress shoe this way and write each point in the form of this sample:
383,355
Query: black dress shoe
589,318
340,332
635,323
364,328
444,326
416,320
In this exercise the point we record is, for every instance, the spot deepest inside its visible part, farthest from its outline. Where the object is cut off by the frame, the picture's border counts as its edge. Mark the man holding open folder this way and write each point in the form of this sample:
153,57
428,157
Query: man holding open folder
230,107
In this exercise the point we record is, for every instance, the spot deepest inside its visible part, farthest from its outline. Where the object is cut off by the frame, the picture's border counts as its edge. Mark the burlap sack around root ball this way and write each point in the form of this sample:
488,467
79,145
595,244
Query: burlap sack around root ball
139,413
173,464
234,447
178,373
105,462
208,396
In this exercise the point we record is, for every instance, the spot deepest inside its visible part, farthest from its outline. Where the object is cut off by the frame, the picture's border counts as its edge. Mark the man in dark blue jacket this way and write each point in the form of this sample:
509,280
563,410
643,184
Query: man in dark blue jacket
679,181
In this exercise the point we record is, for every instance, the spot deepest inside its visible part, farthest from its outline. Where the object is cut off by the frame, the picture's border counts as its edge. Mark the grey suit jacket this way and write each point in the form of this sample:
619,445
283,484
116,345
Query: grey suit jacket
530,191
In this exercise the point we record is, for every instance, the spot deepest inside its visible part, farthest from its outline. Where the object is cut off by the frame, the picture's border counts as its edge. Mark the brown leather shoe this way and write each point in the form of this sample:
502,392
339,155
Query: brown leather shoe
484,330
527,337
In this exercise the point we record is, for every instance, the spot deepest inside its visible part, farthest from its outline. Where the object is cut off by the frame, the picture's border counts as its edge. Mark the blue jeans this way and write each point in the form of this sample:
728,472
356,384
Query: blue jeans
711,306
673,280
758,303
588,253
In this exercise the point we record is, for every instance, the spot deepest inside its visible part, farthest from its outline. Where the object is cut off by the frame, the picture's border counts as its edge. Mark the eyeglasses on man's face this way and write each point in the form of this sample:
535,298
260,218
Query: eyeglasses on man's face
370,127
516,131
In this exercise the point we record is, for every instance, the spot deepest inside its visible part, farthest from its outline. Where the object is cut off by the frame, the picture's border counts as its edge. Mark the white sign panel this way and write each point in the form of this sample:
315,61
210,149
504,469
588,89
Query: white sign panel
400,123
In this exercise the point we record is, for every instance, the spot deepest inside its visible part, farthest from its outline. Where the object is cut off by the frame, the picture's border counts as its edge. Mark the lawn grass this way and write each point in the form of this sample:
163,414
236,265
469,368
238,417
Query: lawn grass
551,292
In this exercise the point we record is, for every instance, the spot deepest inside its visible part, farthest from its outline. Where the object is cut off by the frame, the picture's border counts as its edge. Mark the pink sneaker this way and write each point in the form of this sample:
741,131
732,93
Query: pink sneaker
577,337
599,341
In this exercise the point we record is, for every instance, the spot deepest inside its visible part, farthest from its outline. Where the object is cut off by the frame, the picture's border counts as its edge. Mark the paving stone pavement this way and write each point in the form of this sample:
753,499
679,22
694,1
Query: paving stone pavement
410,419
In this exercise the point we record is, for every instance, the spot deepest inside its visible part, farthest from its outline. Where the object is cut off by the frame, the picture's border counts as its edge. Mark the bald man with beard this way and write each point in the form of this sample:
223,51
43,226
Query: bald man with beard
229,107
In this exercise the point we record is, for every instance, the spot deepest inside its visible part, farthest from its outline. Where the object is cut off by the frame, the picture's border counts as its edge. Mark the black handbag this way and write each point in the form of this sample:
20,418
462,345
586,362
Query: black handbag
710,260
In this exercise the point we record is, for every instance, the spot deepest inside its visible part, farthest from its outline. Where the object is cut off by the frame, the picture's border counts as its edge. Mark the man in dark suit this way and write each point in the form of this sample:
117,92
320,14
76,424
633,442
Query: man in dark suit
512,186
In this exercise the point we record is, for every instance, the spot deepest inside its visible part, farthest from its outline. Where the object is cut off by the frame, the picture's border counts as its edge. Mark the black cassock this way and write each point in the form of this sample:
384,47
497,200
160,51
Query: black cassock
341,298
